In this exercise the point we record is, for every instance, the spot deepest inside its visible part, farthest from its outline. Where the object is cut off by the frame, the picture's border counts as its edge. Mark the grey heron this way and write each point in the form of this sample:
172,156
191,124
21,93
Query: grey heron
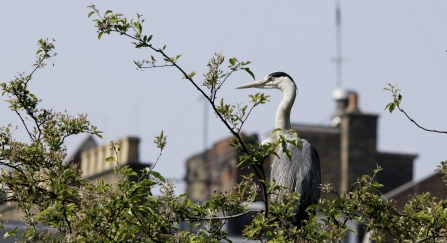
303,173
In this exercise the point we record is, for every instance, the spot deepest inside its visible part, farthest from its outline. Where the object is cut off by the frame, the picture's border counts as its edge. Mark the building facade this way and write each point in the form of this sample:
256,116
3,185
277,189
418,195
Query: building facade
214,169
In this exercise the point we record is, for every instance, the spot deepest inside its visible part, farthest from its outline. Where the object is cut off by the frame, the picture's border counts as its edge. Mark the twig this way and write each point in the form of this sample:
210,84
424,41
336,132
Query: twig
66,218
24,124
223,81
155,66
159,155
423,128
246,117
264,189
144,228
224,217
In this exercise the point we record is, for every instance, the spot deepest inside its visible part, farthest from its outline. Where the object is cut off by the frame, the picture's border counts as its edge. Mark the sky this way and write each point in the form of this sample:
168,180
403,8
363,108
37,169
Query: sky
383,42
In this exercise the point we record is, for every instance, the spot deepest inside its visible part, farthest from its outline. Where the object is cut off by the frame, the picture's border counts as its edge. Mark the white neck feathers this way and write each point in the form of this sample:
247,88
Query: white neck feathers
283,113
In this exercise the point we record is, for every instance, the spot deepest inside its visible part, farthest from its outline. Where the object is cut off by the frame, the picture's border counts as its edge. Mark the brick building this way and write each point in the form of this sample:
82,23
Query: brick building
434,184
214,169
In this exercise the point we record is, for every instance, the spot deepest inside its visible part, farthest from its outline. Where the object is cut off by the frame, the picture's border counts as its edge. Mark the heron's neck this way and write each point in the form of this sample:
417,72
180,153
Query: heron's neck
283,112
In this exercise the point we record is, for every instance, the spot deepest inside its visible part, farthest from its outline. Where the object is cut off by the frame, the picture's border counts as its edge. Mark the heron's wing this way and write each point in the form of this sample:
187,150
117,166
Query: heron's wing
283,169
311,183
311,180
302,174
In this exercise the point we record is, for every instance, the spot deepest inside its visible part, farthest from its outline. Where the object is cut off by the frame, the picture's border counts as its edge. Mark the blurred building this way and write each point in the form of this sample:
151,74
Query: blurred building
434,184
214,169
90,158
92,161
347,149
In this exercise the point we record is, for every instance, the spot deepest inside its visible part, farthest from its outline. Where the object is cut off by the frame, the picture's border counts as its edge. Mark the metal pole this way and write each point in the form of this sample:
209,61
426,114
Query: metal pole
338,41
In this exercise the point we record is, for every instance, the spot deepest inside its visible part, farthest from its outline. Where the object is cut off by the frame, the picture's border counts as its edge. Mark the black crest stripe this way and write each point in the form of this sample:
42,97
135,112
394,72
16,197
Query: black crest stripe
280,74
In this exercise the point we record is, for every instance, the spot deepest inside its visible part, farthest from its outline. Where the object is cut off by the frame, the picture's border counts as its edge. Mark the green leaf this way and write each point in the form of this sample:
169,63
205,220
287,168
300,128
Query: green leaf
388,105
232,61
138,26
107,12
276,154
192,74
377,184
240,163
289,154
45,211
276,130
110,159
91,13
38,51
99,35
250,72
295,134
157,175
392,107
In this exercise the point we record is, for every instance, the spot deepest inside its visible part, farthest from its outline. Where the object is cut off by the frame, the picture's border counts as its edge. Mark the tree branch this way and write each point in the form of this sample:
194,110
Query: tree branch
194,84
224,217
423,128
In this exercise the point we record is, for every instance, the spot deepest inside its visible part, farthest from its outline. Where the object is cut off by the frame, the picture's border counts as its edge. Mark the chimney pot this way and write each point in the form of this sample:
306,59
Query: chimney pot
352,100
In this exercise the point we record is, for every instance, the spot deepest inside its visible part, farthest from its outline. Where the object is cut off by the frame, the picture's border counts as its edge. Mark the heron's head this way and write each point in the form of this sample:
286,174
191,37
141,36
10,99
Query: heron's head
275,80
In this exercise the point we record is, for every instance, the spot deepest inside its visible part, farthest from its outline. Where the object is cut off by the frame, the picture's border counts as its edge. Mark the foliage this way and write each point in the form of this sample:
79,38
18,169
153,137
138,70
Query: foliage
397,97
49,191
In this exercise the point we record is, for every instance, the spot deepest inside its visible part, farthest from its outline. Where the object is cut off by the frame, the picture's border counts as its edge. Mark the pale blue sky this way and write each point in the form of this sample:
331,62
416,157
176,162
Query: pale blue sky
383,41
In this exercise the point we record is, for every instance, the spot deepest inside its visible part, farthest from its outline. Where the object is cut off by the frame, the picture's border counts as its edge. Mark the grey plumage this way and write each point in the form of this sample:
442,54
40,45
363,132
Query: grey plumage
303,173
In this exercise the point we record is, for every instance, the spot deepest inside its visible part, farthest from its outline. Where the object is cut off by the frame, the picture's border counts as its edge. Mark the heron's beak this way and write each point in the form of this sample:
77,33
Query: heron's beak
257,84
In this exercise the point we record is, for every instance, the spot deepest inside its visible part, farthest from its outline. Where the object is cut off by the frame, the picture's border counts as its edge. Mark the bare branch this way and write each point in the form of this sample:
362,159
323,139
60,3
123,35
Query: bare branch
224,217
155,66
423,128
210,100
397,99
156,161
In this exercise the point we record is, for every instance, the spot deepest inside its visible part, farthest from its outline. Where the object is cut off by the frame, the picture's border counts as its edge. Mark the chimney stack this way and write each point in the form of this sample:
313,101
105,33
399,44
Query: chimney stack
353,103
